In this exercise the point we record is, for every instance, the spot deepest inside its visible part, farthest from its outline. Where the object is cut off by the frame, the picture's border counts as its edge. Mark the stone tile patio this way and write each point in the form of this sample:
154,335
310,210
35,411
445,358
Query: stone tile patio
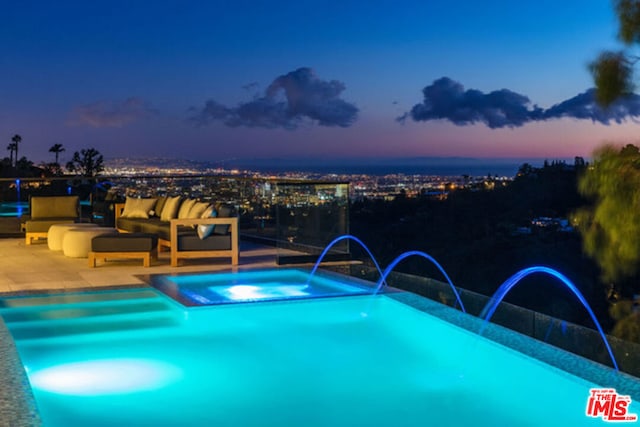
30,268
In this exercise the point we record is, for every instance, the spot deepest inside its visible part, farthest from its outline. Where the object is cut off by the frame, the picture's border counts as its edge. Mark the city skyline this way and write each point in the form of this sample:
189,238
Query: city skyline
218,81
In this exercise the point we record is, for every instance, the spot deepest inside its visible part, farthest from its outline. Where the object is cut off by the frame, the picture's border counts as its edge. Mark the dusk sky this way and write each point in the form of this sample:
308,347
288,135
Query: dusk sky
220,80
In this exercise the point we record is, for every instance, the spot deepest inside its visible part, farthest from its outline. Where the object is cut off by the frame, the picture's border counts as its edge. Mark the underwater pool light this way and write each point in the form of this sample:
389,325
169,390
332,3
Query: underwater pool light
107,376
263,291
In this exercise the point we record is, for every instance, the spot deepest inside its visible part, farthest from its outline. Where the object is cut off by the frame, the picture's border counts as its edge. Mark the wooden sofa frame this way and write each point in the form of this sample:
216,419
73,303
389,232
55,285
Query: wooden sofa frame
233,253
145,256
172,243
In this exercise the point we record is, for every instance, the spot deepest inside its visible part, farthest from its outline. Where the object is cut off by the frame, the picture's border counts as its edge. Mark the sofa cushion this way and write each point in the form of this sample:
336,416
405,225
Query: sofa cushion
224,211
185,207
54,207
159,205
152,226
205,230
132,225
124,242
170,209
160,228
138,208
189,241
197,210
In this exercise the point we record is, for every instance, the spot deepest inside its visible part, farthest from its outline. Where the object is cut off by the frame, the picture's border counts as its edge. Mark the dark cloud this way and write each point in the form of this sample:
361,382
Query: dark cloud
286,103
447,99
212,111
584,106
111,114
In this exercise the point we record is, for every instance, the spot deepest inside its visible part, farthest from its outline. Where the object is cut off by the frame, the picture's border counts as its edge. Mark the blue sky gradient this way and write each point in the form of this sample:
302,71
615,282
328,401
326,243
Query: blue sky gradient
128,77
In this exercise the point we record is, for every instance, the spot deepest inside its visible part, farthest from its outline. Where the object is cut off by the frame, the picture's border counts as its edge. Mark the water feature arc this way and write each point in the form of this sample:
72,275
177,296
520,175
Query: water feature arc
333,243
425,255
501,292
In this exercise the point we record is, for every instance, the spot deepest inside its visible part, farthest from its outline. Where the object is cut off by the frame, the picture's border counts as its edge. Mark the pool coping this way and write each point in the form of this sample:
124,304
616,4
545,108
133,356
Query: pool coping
17,404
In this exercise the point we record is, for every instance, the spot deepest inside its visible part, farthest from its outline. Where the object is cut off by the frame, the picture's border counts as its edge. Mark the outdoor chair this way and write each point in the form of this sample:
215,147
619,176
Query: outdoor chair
48,210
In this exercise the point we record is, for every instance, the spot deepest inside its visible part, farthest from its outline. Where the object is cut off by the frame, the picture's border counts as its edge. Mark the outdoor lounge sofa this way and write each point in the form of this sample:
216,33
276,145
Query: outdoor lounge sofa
186,227
48,210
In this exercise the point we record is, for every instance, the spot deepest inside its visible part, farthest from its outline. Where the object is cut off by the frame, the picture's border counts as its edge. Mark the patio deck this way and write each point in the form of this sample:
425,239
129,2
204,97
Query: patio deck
35,268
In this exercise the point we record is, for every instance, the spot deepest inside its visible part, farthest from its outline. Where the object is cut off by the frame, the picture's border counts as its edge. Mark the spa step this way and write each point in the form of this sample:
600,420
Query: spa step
72,298
78,311
56,329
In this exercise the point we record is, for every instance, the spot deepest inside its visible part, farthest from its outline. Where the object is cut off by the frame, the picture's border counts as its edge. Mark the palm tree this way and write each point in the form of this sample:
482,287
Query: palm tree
57,149
16,140
11,148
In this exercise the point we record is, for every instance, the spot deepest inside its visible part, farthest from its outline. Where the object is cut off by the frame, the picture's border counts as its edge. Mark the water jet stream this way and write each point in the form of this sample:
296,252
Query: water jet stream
407,254
498,296
332,243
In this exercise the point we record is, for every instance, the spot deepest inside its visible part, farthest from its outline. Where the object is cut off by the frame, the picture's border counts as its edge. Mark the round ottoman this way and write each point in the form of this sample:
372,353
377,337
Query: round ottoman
56,233
76,242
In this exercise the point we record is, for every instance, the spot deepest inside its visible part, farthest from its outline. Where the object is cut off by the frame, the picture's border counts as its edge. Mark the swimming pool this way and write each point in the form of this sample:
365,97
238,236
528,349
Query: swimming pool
135,357
14,209
19,209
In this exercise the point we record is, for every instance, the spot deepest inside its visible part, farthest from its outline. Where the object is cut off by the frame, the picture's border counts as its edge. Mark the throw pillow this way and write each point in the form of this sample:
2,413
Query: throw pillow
185,207
205,230
224,211
170,209
138,208
197,210
160,205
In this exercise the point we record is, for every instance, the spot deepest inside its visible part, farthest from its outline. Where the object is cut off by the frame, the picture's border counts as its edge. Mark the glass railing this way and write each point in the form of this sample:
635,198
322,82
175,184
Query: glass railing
309,215
297,216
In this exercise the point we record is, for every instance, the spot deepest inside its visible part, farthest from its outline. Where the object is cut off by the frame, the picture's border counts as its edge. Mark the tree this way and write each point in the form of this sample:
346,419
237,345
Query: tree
12,149
16,139
525,170
5,165
627,321
24,164
51,169
56,149
87,162
613,71
611,225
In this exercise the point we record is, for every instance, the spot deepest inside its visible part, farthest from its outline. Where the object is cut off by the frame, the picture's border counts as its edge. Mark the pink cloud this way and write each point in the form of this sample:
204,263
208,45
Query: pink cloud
103,114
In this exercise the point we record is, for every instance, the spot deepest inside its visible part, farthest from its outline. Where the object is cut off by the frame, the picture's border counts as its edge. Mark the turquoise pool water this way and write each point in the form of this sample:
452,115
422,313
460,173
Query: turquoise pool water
18,209
137,358
14,209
